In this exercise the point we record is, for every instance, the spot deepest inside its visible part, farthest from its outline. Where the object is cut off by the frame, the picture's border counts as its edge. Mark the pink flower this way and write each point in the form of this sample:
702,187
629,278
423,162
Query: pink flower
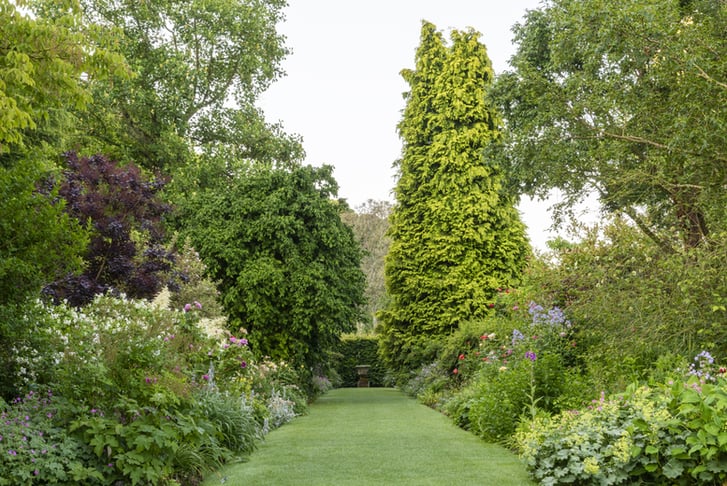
197,305
206,377
455,371
187,307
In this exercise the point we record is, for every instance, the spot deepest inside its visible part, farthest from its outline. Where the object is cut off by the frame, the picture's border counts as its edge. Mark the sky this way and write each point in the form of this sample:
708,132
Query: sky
342,92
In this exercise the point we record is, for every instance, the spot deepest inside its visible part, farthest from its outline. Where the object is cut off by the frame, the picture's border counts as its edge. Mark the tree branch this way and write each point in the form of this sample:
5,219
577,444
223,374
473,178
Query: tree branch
709,78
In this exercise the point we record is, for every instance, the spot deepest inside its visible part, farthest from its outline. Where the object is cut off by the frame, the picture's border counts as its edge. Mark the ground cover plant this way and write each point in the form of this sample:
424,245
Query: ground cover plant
671,432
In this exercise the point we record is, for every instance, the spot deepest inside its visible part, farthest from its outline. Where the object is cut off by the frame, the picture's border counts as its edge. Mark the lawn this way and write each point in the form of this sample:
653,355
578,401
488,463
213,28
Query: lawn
377,436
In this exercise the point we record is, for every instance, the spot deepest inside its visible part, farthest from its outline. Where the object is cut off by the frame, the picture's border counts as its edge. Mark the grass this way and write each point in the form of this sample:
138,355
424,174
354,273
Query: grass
377,436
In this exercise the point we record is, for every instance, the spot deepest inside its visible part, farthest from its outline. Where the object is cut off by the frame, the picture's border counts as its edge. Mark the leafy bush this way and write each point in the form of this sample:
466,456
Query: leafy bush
281,410
491,372
429,384
633,302
671,433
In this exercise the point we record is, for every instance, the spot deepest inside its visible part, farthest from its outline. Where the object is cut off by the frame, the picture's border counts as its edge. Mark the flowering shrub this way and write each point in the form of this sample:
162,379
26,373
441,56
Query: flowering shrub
496,370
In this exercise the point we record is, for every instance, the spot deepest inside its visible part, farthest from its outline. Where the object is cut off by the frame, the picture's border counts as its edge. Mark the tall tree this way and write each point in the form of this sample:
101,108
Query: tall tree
288,268
456,235
625,99
199,67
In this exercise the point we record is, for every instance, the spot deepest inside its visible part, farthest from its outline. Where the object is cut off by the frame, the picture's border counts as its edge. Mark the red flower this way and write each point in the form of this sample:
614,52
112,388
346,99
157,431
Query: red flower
491,305
455,371
461,357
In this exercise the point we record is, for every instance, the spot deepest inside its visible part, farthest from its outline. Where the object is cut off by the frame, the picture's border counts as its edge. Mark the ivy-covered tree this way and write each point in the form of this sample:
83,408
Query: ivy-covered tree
287,267
122,208
625,100
456,235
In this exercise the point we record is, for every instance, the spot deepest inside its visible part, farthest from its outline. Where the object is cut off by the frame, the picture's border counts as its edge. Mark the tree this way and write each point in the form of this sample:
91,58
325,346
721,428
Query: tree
43,67
456,236
125,252
43,63
624,99
370,223
288,269
193,61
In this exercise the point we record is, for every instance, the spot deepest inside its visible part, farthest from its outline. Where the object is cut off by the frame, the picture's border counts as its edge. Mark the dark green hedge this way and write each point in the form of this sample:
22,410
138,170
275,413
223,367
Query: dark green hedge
356,350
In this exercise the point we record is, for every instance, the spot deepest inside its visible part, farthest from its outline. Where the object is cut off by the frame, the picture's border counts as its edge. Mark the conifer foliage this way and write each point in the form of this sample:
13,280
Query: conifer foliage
456,235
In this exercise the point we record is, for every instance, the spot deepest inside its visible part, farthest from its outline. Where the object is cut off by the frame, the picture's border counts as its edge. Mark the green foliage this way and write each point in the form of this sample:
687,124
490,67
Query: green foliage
191,60
191,283
41,62
288,268
634,303
609,98
35,447
513,372
455,234
370,223
672,433
140,395
354,350
39,242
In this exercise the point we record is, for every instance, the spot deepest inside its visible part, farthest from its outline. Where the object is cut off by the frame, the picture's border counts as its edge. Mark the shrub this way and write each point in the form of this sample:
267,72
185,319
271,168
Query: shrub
672,433
633,302
125,212
508,365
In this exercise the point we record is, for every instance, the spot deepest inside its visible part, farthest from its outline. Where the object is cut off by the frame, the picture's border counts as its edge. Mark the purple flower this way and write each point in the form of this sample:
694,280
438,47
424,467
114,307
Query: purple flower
12,452
243,364
243,341
531,356
197,305
187,307
206,377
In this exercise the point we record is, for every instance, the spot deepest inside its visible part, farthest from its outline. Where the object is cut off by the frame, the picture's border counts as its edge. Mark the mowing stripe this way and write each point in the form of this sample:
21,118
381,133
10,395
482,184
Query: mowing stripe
373,436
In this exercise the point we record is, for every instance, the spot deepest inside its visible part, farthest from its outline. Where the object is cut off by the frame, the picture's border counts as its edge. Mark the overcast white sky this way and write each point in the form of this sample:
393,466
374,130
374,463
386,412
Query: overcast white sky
343,92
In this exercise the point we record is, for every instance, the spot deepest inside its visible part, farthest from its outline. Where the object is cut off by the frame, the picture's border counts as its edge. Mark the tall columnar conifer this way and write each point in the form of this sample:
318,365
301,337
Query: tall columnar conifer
456,236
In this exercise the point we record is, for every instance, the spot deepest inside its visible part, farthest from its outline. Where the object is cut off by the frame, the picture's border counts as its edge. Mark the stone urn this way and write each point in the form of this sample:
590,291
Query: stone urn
363,375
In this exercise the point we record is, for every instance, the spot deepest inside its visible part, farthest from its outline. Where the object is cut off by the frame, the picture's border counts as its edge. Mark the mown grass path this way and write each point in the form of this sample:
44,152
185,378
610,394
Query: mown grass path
373,436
